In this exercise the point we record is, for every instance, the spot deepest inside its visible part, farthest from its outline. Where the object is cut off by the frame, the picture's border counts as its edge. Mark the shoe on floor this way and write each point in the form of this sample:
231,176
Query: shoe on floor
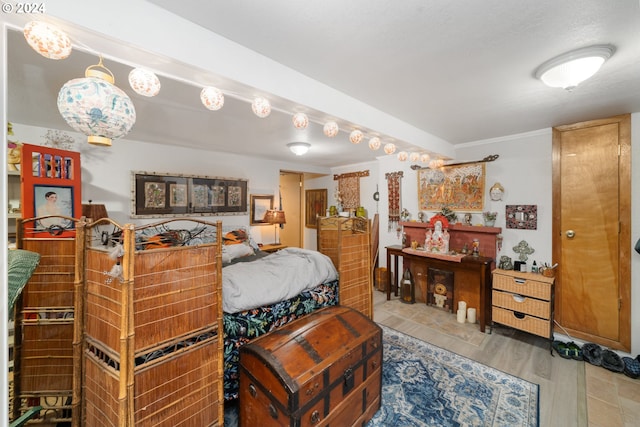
631,367
612,362
562,349
575,351
592,353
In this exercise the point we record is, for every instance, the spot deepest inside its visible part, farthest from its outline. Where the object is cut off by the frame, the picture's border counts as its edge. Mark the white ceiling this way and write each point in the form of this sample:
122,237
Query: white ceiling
458,71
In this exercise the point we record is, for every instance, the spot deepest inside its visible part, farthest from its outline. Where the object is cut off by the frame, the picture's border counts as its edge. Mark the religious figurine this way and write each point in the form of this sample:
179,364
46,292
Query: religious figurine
438,241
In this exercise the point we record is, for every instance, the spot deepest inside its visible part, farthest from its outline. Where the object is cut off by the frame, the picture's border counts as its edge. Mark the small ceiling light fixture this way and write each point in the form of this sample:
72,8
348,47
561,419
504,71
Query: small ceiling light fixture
144,82
212,98
300,121
261,107
403,156
374,143
47,39
96,107
356,136
330,129
390,148
414,156
570,69
299,148
424,158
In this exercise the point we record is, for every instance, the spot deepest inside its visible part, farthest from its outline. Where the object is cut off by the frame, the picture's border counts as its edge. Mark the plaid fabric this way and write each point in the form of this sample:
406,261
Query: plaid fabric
631,367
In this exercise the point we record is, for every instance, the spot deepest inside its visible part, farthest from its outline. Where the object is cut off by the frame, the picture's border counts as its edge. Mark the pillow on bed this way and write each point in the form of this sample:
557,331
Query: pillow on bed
236,235
231,252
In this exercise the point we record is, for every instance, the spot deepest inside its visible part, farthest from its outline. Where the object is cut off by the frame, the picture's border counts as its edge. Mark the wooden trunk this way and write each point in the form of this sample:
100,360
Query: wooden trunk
323,369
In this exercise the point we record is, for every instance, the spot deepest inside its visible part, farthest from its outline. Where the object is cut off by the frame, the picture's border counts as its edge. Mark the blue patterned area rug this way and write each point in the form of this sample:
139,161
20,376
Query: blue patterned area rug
425,385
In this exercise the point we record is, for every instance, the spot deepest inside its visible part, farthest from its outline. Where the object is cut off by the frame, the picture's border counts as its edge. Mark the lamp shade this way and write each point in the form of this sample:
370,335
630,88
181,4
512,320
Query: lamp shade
144,82
261,107
572,68
356,136
212,98
374,143
96,107
330,129
48,40
300,121
94,212
299,148
274,216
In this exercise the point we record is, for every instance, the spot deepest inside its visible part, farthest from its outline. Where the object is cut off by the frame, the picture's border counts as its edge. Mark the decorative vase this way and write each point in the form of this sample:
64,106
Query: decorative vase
489,222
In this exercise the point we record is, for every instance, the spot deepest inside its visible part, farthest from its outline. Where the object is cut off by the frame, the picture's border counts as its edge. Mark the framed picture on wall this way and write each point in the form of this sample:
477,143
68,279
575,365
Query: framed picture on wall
161,195
53,200
315,205
260,204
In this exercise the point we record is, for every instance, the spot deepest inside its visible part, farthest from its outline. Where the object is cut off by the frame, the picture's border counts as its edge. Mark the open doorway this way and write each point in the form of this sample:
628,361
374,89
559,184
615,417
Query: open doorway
290,200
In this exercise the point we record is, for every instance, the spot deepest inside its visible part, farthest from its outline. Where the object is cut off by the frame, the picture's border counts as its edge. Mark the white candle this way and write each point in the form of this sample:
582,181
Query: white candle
471,315
461,316
462,305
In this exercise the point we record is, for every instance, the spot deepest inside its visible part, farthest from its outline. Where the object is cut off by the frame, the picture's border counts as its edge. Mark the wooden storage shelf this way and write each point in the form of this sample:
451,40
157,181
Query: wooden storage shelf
523,301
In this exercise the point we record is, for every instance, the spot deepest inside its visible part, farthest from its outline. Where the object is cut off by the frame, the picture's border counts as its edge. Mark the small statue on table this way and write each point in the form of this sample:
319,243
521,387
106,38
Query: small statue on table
438,239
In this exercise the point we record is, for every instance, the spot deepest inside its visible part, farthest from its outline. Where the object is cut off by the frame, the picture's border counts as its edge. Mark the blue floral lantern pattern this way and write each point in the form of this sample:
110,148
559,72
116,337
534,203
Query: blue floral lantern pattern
96,107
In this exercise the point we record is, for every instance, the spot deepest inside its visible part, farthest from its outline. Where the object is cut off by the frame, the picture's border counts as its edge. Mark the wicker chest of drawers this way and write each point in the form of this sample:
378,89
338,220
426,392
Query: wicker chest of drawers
523,301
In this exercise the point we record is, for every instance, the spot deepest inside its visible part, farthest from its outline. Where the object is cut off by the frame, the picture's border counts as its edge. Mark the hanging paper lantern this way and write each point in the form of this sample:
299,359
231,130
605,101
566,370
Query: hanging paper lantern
48,40
300,121
212,98
424,158
356,137
414,157
330,129
144,82
94,106
390,148
261,107
374,143
403,156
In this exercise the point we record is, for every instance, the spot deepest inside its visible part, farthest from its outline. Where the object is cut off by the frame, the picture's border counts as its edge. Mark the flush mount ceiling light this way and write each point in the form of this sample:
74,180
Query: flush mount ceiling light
212,98
96,107
144,82
570,69
299,148
48,40
261,107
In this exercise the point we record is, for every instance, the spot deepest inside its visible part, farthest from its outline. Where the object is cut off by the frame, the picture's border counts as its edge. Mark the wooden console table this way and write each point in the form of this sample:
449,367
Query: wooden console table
472,277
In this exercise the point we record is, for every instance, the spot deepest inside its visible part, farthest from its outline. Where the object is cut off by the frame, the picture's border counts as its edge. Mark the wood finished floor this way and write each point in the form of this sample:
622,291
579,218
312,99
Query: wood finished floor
563,398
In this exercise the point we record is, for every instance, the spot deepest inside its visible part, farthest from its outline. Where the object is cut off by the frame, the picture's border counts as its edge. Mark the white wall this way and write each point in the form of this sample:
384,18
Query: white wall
106,172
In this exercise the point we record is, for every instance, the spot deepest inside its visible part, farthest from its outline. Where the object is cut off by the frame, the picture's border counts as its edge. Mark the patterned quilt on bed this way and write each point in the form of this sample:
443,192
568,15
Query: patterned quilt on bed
242,327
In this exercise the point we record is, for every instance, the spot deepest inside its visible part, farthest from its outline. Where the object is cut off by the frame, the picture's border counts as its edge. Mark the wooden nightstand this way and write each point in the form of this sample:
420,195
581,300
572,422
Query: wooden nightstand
272,248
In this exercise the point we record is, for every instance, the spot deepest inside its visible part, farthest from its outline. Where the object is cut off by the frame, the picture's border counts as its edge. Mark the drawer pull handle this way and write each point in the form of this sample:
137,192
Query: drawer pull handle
519,281
252,390
315,417
519,315
518,298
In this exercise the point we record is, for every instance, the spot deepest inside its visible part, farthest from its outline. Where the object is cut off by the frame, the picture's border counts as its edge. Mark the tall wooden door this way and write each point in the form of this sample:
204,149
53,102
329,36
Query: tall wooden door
591,230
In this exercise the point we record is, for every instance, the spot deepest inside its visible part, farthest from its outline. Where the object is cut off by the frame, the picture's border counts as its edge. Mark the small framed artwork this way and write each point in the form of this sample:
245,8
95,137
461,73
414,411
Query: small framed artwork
53,200
260,204
315,205
524,217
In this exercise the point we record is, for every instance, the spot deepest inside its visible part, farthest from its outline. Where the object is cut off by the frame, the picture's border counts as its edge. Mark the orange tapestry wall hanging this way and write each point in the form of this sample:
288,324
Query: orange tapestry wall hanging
460,188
